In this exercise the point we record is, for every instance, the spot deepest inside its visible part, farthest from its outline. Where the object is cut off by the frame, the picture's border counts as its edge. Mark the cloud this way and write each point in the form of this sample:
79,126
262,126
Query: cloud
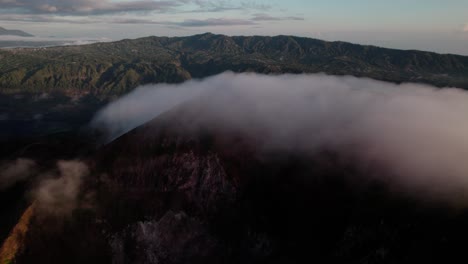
87,7
410,135
48,41
221,6
43,18
12,172
128,20
126,12
123,115
58,193
213,22
90,7
266,17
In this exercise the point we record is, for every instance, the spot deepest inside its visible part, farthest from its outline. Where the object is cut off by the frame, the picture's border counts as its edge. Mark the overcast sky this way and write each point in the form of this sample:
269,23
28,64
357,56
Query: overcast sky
436,25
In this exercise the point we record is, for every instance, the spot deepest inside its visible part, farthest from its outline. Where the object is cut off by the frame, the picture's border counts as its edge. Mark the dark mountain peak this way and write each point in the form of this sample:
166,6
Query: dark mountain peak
210,42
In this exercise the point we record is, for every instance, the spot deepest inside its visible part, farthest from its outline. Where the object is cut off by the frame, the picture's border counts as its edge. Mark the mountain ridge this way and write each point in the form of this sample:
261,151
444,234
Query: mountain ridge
118,67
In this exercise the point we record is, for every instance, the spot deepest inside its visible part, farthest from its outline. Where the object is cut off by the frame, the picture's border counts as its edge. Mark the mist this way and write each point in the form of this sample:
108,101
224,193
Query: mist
414,134
145,103
58,192
12,172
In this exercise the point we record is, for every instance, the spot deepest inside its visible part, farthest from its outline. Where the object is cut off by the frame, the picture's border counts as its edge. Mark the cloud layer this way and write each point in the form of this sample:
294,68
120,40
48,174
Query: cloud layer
137,12
87,7
17,41
123,115
411,135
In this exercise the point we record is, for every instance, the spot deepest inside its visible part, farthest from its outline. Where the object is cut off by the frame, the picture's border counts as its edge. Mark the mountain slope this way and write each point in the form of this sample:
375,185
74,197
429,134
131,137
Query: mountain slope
248,204
12,32
116,68
182,190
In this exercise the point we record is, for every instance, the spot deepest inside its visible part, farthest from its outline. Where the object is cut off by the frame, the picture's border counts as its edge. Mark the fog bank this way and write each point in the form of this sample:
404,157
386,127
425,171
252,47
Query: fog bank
12,172
145,103
415,134
57,193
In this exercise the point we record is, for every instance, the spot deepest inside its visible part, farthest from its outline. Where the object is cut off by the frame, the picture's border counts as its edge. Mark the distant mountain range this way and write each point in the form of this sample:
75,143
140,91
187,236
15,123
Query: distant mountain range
13,32
118,67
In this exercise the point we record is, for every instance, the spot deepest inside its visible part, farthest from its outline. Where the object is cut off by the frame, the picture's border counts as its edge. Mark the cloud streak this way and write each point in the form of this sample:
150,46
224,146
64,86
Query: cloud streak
131,12
213,22
128,20
209,22
87,7
221,6
412,136
267,17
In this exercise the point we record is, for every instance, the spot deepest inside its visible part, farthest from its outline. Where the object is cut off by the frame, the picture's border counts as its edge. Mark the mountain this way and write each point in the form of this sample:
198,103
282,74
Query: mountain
118,67
13,32
177,190
180,190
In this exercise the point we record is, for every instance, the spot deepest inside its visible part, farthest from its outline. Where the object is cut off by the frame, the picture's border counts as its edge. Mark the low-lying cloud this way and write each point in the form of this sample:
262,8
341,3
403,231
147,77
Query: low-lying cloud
143,104
58,193
7,41
416,135
89,7
57,190
267,17
12,172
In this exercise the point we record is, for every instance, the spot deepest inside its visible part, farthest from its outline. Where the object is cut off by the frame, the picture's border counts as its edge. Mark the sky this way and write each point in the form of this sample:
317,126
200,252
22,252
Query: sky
434,25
